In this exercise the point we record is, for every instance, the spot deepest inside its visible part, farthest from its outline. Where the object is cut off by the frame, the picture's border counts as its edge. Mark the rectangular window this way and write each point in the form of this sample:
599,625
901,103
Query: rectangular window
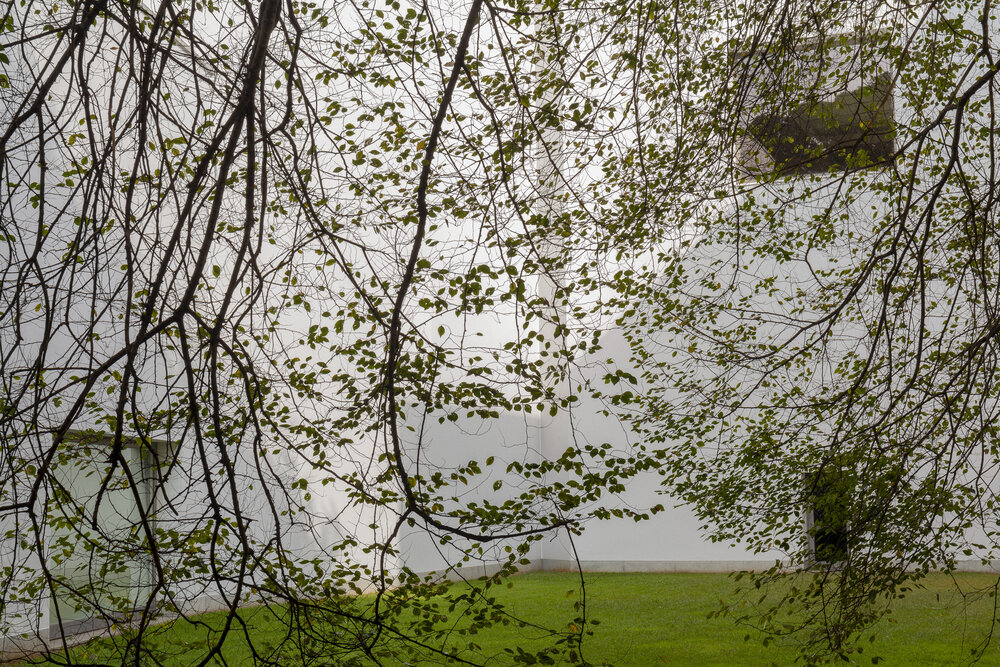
828,524
98,551
850,130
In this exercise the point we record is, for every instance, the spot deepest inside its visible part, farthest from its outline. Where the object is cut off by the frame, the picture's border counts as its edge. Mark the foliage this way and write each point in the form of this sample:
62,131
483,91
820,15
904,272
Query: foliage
291,239
835,322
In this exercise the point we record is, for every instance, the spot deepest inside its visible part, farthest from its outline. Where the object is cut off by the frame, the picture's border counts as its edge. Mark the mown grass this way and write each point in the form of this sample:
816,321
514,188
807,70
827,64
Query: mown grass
647,619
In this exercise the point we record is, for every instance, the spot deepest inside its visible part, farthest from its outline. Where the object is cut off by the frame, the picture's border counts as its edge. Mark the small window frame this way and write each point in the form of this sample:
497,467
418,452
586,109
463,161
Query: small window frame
827,496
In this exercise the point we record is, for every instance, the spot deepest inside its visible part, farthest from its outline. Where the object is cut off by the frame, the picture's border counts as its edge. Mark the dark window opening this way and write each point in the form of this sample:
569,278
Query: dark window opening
852,130
828,517
829,537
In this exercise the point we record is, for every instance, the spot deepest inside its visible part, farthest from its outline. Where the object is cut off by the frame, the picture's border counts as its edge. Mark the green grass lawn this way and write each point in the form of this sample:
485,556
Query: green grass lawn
655,619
